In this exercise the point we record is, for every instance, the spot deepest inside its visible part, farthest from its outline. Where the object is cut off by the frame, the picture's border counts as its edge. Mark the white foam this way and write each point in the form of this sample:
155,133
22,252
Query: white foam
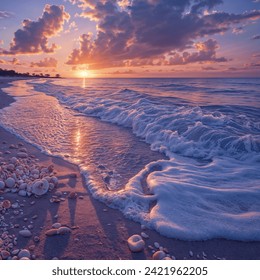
214,194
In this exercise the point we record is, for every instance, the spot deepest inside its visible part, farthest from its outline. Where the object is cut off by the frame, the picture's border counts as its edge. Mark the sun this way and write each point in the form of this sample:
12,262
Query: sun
83,74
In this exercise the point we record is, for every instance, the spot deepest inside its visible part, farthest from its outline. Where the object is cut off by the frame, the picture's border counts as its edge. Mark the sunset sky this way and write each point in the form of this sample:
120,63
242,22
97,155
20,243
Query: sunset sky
131,38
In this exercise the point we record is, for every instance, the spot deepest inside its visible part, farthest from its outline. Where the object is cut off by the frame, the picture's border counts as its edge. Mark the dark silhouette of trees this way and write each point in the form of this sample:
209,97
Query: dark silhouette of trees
12,73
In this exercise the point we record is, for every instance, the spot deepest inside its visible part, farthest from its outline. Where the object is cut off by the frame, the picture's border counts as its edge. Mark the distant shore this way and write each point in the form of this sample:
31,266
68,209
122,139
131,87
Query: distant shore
96,231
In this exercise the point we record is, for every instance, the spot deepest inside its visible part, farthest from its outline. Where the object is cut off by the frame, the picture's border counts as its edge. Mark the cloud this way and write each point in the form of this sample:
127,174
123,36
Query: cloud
148,29
34,35
46,62
208,68
126,72
5,14
206,52
72,27
14,61
238,30
256,37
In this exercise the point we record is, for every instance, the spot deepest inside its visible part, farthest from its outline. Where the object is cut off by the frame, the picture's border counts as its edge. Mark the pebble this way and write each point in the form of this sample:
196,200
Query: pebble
63,230
191,254
5,254
51,232
22,155
36,239
136,243
156,245
25,233
15,252
2,185
159,255
56,225
10,182
22,193
6,204
40,187
144,235
24,254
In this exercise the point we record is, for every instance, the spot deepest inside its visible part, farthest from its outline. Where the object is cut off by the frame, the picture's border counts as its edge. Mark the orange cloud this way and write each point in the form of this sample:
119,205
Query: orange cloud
33,37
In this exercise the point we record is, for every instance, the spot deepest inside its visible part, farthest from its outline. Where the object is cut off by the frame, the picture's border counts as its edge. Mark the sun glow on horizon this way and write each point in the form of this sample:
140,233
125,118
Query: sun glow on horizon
83,74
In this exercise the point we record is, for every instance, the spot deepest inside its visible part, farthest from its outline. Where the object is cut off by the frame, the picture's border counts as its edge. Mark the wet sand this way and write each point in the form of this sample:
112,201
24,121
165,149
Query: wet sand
98,232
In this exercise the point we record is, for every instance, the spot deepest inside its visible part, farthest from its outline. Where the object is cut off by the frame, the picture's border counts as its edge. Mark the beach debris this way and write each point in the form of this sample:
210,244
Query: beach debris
159,255
40,187
25,233
136,243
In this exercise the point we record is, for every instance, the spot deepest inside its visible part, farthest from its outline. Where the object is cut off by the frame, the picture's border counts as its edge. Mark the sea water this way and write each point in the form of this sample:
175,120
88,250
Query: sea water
181,156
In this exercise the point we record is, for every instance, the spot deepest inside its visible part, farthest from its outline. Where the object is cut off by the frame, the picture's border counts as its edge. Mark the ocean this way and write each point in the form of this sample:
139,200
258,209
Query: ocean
181,156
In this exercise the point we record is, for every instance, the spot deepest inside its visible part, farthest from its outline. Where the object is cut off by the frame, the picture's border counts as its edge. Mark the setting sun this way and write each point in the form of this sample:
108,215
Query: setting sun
83,74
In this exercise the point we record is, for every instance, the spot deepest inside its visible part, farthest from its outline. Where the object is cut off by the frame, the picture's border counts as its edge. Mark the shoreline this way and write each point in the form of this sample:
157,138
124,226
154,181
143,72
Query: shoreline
100,232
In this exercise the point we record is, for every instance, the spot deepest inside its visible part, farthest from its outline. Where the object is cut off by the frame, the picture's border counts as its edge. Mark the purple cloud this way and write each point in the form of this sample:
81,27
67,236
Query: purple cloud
256,37
33,37
148,30
5,14
46,62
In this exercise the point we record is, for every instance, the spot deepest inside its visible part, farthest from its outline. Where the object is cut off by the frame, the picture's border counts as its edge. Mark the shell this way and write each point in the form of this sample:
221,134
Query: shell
135,243
6,204
40,187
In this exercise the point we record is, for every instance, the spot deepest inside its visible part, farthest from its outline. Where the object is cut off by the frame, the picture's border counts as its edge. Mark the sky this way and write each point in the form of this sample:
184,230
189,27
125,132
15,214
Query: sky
131,38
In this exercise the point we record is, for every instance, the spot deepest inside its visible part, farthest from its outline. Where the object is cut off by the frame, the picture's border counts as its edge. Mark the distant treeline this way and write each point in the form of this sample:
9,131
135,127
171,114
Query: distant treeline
12,73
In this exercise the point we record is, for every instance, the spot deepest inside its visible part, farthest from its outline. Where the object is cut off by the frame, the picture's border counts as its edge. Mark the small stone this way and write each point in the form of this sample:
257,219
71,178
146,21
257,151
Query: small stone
36,239
191,254
143,227
167,258
81,197
5,254
159,255
24,254
25,233
23,150
24,259
12,146
22,155
14,160
156,245
56,225
63,230
22,193
15,205
51,232
2,185
15,252
144,235
10,182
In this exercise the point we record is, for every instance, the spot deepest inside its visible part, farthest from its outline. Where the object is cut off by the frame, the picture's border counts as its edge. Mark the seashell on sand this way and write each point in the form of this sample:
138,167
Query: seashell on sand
135,243
40,187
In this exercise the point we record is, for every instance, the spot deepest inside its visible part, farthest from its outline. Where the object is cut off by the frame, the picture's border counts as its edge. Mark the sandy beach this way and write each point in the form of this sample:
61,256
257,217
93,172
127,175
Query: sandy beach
97,231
